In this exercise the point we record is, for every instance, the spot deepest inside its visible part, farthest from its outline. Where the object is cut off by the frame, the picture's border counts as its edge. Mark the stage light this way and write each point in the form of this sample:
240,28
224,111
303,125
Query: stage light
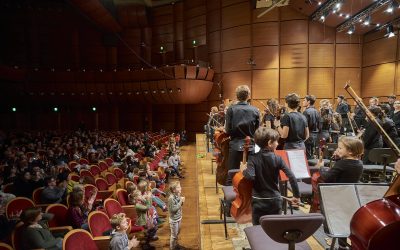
55,109
390,31
390,8
94,109
367,20
14,109
351,30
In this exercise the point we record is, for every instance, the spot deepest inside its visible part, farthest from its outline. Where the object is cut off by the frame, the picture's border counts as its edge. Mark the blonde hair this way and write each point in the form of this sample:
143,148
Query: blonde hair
352,144
142,185
173,186
117,219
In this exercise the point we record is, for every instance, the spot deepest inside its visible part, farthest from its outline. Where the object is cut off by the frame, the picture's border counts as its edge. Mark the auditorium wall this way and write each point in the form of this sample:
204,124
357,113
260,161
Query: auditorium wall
380,65
290,53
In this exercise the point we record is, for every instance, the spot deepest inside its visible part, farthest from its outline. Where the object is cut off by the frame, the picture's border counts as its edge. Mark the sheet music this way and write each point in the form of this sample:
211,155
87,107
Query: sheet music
340,203
298,164
368,193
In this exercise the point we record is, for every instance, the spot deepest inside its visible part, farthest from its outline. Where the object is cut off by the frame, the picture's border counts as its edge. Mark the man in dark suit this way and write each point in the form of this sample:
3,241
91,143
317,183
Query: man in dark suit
242,120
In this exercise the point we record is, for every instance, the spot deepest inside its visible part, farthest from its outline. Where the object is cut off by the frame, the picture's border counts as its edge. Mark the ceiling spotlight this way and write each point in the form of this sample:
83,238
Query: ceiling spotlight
338,5
367,20
179,90
322,18
137,93
341,14
334,11
170,90
146,92
351,30
390,31
94,109
390,8
319,3
162,91
347,16
377,25
154,91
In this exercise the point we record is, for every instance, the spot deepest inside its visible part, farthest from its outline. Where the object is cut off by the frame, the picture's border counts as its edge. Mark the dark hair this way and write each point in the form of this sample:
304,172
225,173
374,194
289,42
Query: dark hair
376,111
311,99
385,108
392,97
341,97
263,135
293,100
242,92
29,215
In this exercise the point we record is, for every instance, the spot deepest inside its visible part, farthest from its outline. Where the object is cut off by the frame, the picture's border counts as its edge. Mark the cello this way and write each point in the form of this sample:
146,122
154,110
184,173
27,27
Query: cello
221,145
376,224
241,207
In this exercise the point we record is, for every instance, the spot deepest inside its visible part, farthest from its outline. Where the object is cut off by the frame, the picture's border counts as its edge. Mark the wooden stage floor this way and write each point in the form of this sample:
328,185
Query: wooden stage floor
202,203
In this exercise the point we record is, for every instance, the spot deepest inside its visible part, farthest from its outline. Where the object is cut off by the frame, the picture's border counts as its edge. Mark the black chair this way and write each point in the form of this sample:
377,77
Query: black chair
377,172
281,232
226,201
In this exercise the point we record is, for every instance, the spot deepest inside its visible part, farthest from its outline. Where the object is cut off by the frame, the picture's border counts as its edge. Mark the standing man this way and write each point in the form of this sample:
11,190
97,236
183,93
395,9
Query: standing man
343,108
313,120
242,120
391,100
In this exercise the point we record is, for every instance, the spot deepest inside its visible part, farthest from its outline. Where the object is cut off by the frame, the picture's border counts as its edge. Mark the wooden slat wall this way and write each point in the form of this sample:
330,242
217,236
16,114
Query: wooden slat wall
291,54
379,75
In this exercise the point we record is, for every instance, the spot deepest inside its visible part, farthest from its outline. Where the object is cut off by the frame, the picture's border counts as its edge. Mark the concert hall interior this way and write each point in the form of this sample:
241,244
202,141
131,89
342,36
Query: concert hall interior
199,124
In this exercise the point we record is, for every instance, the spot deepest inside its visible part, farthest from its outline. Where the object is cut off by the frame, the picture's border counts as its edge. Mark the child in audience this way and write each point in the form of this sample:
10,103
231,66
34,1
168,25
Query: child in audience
147,215
175,202
145,188
119,238
131,197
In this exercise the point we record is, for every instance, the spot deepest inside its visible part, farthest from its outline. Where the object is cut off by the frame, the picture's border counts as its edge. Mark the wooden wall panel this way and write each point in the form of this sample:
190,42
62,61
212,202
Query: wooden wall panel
265,84
195,21
232,80
266,33
288,13
378,80
343,37
266,57
348,55
397,82
238,37
321,83
342,75
225,3
235,60
214,42
293,80
213,21
321,55
272,15
215,61
379,51
320,33
236,15
293,32
293,56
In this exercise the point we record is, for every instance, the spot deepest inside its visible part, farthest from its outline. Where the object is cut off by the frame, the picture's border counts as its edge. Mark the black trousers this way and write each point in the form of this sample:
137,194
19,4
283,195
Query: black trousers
263,207
235,157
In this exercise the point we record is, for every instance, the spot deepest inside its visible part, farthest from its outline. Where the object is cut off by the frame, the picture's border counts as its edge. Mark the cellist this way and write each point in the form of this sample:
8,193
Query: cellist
263,169
242,119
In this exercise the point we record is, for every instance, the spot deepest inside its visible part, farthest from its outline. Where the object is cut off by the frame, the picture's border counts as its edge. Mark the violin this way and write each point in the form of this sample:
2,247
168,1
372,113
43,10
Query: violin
241,207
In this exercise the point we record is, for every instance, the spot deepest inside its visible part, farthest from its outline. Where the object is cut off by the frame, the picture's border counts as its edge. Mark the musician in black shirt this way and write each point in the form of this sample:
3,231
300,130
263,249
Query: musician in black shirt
371,137
343,108
242,120
263,169
396,114
313,119
293,125
389,126
391,100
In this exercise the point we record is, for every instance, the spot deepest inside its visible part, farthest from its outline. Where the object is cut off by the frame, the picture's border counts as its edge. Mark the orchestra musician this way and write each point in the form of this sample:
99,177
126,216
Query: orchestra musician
371,137
391,101
293,125
212,123
313,119
348,169
343,108
242,119
389,126
396,114
263,169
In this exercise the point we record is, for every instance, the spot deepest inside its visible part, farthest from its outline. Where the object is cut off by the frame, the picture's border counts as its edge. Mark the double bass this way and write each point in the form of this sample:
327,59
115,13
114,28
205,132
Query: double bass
376,225
221,147
241,209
